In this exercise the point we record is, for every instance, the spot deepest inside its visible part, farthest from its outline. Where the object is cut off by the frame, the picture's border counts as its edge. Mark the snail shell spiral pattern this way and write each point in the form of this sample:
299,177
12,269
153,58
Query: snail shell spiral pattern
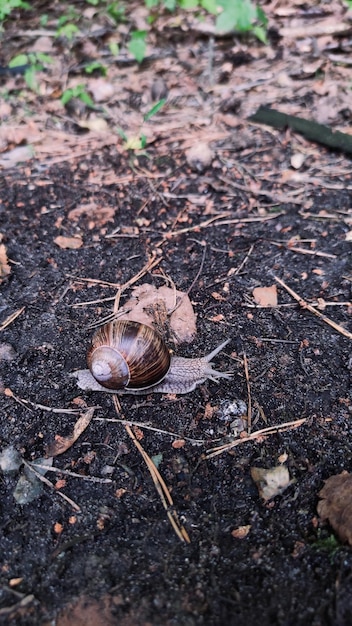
125,354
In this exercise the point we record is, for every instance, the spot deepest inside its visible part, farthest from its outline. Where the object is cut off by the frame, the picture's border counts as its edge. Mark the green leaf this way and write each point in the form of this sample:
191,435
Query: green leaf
170,5
68,31
122,134
236,15
67,96
159,105
44,58
188,4
153,3
260,33
31,79
116,11
137,45
114,48
85,97
95,65
212,6
20,59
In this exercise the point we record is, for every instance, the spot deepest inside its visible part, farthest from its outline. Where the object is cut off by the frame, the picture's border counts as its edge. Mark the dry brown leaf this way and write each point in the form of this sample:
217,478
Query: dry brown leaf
16,155
336,505
70,243
4,264
265,296
270,482
149,304
98,214
241,532
61,444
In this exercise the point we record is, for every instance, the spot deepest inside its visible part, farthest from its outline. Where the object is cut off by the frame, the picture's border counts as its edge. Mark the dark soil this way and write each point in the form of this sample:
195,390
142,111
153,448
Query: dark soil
285,571
118,561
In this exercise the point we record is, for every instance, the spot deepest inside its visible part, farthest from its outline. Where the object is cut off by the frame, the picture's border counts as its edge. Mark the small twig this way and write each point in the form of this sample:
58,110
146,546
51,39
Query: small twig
28,403
326,255
212,222
94,281
309,307
57,470
197,442
252,437
249,396
161,488
11,318
49,484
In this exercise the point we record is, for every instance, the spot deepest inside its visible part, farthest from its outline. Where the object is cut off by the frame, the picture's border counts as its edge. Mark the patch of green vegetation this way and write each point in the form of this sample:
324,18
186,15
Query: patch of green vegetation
68,31
78,92
329,544
95,66
241,16
8,6
35,62
137,44
139,142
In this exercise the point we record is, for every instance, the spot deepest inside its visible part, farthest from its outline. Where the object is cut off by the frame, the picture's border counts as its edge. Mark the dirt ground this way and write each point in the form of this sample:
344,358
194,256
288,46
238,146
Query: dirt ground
249,215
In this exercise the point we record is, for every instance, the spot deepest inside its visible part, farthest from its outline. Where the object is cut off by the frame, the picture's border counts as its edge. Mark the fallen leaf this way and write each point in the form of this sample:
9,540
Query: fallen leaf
15,156
95,124
151,305
241,532
336,505
199,156
4,265
61,444
178,443
70,243
100,215
270,482
265,296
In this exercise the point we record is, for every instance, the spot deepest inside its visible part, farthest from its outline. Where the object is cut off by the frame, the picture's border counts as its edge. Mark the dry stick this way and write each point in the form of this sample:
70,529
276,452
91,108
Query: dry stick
221,222
58,470
305,305
303,250
49,484
249,402
196,442
252,437
161,488
42,407
11,318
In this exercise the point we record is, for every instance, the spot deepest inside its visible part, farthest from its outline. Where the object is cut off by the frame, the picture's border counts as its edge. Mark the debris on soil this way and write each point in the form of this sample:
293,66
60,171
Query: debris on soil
336,505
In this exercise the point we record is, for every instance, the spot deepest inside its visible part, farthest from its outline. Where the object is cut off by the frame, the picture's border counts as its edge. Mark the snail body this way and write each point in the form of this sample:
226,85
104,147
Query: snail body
129,357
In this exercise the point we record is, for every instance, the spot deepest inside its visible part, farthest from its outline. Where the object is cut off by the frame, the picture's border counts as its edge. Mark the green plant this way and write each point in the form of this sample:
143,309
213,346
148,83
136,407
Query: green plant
238,15
35,62
68,31
77,92
137,44
139,142
7,6
95,66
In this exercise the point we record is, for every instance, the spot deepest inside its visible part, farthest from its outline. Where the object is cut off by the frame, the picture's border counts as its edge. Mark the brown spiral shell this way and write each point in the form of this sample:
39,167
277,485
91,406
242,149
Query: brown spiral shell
128,354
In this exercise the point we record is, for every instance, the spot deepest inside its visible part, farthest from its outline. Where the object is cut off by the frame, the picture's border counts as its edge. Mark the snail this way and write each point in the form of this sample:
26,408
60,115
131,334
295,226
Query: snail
130,357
